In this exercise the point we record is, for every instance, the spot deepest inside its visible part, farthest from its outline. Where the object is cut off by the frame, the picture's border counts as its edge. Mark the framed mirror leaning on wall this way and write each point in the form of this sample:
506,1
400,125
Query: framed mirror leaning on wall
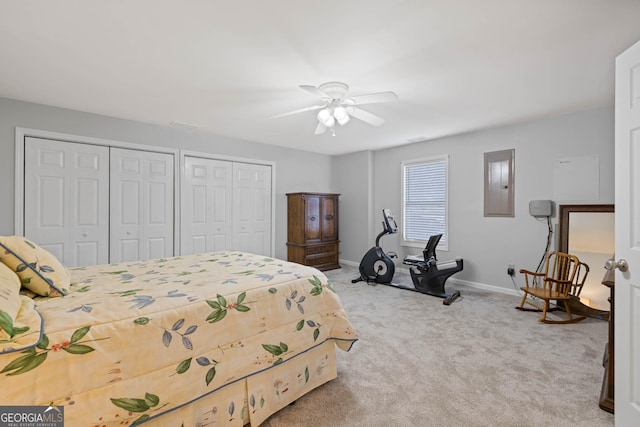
587,231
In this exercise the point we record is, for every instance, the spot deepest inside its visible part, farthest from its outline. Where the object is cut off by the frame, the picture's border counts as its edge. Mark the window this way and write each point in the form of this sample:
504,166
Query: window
424,201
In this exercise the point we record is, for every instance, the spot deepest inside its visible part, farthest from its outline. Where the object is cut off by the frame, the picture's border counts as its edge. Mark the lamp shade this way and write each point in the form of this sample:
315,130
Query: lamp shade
325,116
341,115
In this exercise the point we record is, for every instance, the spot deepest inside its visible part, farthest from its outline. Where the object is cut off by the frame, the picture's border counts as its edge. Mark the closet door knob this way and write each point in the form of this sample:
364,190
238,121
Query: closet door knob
313,218
328,217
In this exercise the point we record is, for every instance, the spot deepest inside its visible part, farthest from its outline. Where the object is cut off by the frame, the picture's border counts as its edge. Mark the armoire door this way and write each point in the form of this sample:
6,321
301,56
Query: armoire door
141,205
206,205
252,208
313,228
329,218
66,198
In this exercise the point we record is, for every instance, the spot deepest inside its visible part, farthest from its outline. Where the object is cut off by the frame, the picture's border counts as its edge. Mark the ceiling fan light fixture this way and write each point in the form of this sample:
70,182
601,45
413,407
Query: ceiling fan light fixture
341,115
325,116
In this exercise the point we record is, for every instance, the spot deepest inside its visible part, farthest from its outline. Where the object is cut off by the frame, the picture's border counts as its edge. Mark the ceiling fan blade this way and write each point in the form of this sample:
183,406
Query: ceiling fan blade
320,129
315,91
302,110
365,116
372,98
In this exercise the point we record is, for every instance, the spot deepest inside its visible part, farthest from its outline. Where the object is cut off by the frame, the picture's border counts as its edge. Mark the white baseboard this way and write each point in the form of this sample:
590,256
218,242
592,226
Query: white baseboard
484,286
351,263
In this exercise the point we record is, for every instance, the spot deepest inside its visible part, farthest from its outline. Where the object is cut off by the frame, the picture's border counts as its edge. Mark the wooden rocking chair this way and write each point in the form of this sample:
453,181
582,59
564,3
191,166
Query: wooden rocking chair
582,271
556,283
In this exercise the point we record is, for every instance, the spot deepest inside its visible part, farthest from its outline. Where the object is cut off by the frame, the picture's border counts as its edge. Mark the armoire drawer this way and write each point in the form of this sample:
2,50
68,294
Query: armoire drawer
322,261
331,248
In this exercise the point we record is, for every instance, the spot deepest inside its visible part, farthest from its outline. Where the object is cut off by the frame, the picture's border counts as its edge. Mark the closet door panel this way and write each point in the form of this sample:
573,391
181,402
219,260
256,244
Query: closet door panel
87,253
51,207
158,219
242,229
127,250
206,208
125,206
87,193
66,199
156,247
141,205
56,249
222,209
252,208
262,210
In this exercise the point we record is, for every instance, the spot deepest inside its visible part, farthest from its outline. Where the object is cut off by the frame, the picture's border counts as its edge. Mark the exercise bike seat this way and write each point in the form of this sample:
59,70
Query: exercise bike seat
429,275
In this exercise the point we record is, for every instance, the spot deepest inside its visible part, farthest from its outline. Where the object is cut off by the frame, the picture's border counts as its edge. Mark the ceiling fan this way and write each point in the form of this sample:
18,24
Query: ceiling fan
338,108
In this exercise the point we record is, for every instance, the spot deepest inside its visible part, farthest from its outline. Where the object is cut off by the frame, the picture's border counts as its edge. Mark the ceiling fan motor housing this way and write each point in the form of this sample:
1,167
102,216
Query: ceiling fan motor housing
336,90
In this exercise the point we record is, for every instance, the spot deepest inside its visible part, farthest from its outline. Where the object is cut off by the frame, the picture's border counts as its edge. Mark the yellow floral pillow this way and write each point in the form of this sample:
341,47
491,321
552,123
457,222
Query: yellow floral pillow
38,269
9,301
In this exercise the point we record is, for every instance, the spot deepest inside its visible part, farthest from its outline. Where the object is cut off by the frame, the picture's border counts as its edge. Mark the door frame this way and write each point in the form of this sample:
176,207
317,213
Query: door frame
22,133
272,164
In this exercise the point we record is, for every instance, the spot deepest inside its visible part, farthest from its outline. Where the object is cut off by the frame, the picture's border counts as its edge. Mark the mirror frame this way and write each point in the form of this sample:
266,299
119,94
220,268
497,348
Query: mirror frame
565,210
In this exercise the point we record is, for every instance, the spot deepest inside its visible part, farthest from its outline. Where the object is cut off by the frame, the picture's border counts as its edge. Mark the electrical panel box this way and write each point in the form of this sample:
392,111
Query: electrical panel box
541,208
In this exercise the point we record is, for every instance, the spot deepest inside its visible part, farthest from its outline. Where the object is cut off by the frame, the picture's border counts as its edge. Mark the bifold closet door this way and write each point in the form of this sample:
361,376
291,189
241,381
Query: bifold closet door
141,205
66,198
252,208
206,205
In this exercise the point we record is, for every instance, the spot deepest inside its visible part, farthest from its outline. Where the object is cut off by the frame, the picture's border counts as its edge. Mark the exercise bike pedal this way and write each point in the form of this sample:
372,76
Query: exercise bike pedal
450,298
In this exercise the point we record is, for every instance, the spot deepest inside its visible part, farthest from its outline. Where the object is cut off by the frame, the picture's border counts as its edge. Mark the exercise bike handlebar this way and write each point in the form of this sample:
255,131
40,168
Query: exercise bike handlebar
389,225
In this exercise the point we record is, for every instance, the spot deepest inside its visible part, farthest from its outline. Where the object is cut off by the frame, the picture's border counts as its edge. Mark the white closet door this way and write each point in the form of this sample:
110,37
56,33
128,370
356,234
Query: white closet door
141,205
206,206
66,196
252,208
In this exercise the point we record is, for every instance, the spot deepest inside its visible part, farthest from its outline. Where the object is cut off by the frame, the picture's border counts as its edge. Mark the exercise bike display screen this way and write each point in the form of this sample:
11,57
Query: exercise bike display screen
389,224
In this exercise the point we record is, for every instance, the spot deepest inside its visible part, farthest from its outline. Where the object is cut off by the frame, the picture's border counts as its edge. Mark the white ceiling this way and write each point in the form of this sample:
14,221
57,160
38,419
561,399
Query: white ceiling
456,65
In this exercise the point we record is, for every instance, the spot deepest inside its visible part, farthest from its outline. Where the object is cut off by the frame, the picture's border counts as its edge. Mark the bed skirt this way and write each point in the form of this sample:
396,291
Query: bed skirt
254,399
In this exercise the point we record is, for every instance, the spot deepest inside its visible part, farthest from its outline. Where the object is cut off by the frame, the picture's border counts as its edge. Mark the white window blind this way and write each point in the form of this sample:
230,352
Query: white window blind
425,201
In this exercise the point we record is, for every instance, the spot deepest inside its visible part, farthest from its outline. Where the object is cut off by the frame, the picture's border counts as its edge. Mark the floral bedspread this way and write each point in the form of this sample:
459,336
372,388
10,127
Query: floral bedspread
133,341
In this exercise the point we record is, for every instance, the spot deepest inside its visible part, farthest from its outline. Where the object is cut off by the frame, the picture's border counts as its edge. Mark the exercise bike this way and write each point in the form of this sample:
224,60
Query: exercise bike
376,265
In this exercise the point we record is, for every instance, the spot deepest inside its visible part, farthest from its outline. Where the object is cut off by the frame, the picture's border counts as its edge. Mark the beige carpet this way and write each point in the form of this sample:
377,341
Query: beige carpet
478,362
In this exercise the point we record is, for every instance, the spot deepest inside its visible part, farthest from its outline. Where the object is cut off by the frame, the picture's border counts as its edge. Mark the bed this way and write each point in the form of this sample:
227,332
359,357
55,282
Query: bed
225,338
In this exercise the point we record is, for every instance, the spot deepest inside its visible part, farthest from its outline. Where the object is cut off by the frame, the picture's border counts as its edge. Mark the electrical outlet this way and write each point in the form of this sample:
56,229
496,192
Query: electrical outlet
511,270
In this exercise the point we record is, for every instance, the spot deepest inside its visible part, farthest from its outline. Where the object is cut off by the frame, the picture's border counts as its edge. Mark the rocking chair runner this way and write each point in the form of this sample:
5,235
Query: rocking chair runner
557,282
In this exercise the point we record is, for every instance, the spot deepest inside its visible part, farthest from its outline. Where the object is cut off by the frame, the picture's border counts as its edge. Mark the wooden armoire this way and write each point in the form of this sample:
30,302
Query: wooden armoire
312,237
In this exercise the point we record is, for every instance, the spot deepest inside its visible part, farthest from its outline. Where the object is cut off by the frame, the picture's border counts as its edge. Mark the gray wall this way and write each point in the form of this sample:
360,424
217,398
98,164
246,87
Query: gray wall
352,176
488,245
370,181
296,170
